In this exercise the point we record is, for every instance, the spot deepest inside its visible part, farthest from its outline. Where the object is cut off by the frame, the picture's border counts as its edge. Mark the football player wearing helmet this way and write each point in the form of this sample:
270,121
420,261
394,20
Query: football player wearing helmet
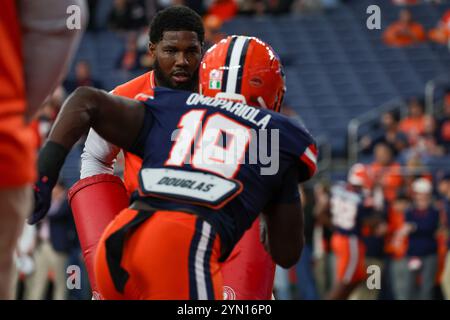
199,194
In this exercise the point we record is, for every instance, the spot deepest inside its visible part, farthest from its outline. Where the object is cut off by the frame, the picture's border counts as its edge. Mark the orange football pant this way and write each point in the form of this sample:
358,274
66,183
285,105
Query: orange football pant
350,258
159,255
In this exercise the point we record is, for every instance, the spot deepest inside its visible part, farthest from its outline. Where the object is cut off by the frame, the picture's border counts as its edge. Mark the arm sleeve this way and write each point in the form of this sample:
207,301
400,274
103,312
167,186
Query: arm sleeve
98,156
298,143
308,162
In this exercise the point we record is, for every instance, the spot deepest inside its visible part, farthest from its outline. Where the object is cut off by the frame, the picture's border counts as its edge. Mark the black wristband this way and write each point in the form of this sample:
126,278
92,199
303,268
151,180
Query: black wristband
51,159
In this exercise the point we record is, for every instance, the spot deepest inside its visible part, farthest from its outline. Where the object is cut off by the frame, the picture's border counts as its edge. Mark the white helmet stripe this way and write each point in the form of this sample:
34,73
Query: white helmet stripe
233,68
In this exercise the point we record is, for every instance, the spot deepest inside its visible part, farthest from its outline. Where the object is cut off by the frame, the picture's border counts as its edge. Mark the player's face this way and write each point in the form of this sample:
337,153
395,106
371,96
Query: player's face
177,58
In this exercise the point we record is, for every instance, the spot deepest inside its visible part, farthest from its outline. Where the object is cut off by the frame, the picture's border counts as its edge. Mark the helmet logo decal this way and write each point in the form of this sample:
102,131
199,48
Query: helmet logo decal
215,79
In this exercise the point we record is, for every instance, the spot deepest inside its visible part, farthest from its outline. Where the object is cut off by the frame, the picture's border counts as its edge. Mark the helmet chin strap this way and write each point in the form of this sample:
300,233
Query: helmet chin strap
262,103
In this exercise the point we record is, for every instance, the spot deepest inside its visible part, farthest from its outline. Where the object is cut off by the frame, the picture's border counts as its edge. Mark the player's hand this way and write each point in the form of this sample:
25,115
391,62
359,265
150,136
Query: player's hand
50,161
42,200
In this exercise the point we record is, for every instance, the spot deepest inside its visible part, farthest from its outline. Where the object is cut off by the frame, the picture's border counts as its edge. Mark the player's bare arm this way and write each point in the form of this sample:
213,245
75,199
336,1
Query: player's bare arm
284,222
285,237
92,108
85,108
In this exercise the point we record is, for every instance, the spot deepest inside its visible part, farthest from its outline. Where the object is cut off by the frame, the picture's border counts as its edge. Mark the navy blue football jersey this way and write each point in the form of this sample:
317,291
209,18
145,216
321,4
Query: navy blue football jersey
224,160
348,209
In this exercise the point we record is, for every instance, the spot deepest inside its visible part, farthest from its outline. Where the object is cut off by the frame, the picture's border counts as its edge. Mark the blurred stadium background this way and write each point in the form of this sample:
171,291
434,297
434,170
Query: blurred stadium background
342,80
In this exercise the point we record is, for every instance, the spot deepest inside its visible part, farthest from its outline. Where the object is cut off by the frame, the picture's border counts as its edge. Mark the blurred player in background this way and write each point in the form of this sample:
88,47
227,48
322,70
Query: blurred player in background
176,41
350,209
170,242
36,48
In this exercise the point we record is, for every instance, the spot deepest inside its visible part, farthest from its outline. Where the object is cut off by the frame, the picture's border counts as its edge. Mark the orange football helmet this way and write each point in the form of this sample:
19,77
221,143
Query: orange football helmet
358,176
245,69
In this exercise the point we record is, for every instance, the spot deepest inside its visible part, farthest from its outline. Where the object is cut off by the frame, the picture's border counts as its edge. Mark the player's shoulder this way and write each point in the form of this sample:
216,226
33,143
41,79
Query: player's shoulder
134,87
295,138
296,142
162,95
341,189
338,188
167,100
290,126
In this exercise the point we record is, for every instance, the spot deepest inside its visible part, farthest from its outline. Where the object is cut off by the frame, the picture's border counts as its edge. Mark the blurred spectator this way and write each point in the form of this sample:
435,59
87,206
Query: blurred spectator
390,134
413,170
83,77
142,39
372,230
323,267
119,17
424,150
306,283
443,126
404,32
421,225
213,35
384,172
397,245
223,9
130,59
43,120
444,191
142,42
441,34
373,235
42,123
414,124
431,128
146,61
57,238
127,15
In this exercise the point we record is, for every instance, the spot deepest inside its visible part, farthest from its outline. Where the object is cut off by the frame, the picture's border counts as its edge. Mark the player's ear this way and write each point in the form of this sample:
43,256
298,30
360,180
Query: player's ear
152,49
